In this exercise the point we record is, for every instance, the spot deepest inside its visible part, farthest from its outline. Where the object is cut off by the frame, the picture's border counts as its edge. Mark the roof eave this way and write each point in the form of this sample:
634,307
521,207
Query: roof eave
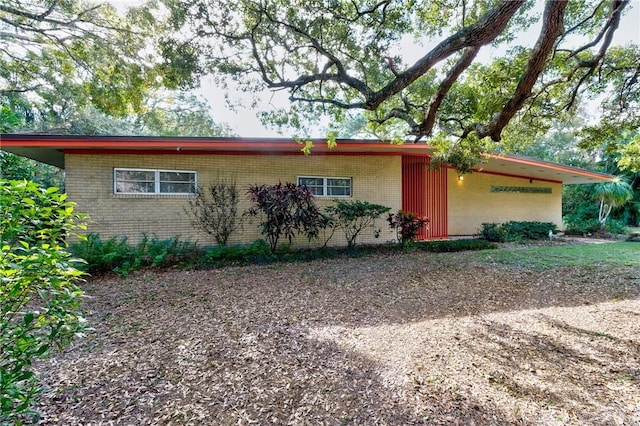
50,149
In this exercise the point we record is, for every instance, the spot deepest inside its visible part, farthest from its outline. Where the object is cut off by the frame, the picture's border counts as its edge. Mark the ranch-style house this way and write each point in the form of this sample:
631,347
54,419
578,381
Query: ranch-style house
135,185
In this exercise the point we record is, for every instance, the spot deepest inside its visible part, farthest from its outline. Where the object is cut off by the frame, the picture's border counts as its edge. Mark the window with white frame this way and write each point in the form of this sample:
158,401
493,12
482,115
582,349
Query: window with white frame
327,186
152,181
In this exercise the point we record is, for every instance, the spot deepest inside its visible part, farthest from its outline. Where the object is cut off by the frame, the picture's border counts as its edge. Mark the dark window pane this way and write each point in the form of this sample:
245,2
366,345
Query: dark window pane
177,177
311,181
338,182
315,185
339,187
135,187
144,181
177,187
139,175
338,191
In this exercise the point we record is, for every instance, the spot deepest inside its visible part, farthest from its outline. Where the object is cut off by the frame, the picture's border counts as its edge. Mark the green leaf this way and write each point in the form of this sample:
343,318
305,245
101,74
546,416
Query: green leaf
28,318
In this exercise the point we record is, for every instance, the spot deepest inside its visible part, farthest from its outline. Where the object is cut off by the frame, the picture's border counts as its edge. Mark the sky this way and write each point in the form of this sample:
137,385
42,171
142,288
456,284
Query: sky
245,123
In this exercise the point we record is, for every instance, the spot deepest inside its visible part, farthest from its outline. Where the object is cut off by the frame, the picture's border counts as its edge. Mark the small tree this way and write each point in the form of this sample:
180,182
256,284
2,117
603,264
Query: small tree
287,209
355,216
611,195
406,224
215,209
40,299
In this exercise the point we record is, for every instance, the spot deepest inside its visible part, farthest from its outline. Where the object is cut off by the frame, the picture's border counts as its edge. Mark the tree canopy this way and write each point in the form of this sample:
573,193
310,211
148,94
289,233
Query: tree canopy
76,67
72,54
335,57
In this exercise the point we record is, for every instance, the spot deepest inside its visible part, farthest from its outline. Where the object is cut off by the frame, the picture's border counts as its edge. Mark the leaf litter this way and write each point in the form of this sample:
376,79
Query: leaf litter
404,339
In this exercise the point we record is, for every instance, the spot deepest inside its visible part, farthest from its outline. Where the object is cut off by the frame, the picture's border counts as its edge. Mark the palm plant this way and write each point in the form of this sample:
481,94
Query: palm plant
612,194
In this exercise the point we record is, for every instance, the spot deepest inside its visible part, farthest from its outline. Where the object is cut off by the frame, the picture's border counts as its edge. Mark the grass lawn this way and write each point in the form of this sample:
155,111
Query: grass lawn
540,336
555,256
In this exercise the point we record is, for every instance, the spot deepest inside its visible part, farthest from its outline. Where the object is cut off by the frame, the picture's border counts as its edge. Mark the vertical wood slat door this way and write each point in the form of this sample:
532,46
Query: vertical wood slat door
424,192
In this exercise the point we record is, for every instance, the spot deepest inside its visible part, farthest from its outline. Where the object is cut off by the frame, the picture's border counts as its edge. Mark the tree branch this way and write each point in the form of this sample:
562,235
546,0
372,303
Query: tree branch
325,101
350,81
426,127
551,30
613,20
46,15
484,31
399,114
488,27
608,31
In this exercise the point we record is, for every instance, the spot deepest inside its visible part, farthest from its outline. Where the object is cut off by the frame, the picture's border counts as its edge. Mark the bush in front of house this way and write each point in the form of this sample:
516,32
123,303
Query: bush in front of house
353,217
117,255
214,210
101,256
259,251
449,246
406,224
528,230
256,252
39,293
493,232
517,231
286,210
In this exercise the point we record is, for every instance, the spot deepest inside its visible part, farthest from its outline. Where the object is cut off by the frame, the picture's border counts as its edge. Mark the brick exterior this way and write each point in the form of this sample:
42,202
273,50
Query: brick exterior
471,202
377,179
89,182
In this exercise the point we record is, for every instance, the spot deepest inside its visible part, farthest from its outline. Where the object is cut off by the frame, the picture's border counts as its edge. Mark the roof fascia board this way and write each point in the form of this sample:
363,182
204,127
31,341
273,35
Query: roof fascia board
249,146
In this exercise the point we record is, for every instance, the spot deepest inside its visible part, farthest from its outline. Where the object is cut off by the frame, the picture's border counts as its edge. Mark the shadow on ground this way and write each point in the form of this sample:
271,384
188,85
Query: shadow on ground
404,339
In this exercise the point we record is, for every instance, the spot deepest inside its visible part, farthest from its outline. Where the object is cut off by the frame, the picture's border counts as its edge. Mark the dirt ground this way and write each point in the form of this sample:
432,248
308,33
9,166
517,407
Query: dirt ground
407,339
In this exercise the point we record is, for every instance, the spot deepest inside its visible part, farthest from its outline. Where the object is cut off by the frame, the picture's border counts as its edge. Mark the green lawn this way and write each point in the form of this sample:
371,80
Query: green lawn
617,254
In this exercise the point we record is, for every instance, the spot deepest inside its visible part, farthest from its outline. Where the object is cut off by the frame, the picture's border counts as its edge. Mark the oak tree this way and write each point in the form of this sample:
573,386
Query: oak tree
73,52
336,57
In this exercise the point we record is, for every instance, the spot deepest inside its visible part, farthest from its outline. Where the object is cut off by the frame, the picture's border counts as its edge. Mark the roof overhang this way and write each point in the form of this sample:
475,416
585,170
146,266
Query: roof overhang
51,149
511,165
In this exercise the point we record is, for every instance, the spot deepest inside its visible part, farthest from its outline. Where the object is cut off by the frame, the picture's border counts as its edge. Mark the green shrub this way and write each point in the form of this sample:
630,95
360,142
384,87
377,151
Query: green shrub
575,225
118,256
355,216
616,227
406,224
40,307
255,252
516,231
591,226
215,209
101,256
286,210
492,232
446,246
161,253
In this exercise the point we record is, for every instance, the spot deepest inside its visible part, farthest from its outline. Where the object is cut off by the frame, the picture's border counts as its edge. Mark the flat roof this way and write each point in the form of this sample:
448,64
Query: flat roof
51,149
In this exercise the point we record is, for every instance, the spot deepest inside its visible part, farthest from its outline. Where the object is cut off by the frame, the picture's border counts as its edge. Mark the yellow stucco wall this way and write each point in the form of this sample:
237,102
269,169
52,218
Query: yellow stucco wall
89,182
472,203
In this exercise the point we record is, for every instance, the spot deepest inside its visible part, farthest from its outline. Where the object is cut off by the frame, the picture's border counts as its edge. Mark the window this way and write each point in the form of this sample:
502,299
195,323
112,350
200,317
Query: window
145,181
327,186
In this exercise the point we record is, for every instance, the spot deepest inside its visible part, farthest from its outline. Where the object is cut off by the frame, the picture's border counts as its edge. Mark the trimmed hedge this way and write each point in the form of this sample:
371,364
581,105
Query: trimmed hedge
449,246
517,231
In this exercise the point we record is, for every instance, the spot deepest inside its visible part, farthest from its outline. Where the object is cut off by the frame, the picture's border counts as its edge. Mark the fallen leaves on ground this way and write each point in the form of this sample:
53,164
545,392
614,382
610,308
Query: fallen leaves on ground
414,338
